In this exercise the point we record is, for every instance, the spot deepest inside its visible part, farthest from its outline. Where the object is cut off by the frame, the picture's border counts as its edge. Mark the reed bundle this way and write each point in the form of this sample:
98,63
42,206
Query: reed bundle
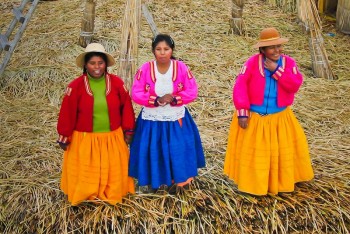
286,5
343,16
43,64
308,14
236,22
129,41
87,23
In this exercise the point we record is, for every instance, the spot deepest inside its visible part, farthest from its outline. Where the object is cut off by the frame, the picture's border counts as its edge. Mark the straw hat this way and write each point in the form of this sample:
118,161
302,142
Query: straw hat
94,47
269,37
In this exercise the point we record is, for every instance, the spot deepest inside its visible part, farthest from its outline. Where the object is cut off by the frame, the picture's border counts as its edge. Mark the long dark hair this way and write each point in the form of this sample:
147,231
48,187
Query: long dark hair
88,56
163,37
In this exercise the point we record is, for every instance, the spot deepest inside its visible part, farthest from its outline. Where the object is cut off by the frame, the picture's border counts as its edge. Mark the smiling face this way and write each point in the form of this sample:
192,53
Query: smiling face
96,66
272,52
163,52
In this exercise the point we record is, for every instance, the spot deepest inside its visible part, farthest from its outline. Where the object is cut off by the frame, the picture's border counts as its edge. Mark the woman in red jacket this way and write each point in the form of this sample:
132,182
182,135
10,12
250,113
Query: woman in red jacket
95,124
267,149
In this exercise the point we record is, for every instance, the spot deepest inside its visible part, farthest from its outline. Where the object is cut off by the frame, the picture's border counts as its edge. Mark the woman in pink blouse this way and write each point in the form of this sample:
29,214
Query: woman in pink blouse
166,149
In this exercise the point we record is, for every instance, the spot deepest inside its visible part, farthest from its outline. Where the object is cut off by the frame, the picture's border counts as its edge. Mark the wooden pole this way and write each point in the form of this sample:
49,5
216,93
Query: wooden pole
87,24
129,41
150,20
236,22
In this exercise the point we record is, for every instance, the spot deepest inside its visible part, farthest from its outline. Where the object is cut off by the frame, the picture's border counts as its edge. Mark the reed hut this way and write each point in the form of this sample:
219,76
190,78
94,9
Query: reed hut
343,16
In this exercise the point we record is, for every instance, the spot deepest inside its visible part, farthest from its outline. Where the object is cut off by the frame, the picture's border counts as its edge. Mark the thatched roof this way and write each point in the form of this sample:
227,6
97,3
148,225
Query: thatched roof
43,64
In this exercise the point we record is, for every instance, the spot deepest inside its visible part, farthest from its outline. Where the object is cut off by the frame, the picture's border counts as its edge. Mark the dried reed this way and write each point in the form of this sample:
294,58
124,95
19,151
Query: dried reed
308,13
87,23
129,41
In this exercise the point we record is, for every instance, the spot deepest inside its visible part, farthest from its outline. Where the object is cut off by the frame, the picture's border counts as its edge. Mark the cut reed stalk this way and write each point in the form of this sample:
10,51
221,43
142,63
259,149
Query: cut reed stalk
129,41
236,22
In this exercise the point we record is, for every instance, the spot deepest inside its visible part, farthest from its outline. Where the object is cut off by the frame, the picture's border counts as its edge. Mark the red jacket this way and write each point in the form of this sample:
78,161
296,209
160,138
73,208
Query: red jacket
77,107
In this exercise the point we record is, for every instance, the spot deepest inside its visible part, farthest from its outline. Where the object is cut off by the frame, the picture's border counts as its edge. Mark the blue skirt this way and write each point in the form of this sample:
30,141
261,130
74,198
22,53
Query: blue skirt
163,152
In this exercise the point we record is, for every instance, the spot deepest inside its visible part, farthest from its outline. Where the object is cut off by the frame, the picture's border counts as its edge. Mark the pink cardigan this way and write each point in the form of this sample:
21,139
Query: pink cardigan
185,88
250,83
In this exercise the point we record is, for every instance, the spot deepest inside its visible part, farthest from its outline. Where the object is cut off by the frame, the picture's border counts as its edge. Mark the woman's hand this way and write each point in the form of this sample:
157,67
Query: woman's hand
128,138
270,65
243,122
63,146
164,100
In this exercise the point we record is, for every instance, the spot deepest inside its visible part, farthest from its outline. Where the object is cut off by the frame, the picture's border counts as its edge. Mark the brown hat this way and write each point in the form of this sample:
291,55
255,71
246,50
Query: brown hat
268,37
94,47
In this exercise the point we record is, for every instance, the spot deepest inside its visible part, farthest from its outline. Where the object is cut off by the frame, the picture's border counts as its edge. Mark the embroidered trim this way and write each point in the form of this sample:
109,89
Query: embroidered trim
108,84
163,113
68,91
153,76
261,66
147,87
139,74
242,112
243,69
174,70
180,87
87,86
295,71
62,139
189,74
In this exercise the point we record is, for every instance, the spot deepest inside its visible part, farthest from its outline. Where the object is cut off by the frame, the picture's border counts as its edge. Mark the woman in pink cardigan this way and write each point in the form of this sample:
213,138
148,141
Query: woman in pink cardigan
166,149
267,149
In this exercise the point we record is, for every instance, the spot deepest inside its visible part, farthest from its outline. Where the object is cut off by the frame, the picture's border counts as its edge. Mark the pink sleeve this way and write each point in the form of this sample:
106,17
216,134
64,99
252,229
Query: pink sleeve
289,78
187,90
140,91
240,89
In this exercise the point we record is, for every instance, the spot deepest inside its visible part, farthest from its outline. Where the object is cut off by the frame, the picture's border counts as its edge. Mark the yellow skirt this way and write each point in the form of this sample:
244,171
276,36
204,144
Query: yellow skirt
95,167
269,156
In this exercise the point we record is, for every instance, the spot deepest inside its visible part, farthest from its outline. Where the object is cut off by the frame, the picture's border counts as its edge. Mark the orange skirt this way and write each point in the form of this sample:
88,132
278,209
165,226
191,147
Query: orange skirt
95,167
269,156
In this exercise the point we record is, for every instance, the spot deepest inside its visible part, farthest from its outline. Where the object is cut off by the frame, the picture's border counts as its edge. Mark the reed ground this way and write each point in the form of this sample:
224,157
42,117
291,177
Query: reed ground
43,64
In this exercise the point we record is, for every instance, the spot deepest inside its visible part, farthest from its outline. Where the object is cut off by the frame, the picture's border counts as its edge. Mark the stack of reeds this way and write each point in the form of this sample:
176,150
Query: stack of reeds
286,5
236,22
129,41
87,23
343,16
308,14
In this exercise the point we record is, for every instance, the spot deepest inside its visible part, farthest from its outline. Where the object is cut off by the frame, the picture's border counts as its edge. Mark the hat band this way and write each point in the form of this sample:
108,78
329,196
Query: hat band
270,39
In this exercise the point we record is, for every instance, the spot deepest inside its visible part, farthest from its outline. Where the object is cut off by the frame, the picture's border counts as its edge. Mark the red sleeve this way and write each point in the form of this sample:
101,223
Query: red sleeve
67,116
126,110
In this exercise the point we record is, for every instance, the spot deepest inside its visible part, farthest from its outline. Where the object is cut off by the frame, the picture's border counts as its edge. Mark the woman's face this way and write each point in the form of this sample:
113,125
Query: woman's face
96,66
273,52
163,52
